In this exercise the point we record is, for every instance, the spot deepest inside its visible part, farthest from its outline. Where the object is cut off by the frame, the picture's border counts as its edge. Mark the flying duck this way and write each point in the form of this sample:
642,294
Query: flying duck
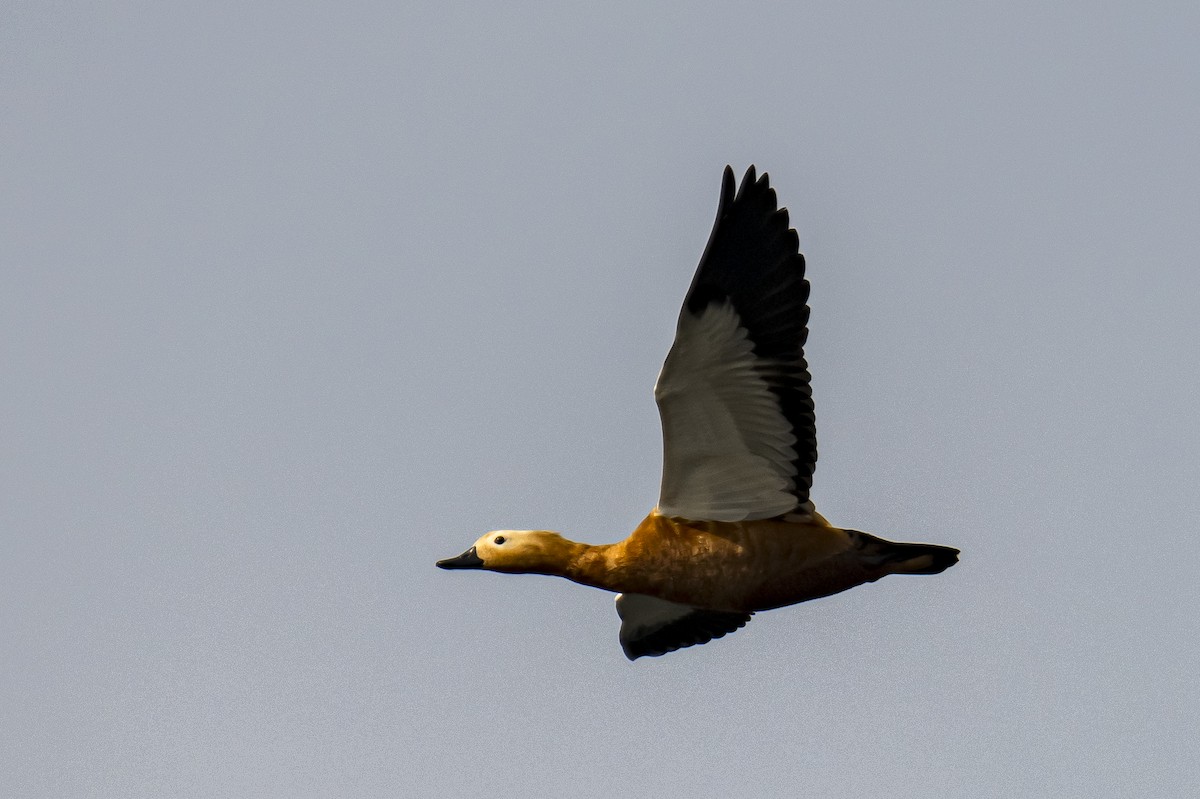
734,531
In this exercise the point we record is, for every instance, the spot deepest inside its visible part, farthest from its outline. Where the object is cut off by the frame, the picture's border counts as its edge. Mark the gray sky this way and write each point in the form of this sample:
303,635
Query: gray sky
296,300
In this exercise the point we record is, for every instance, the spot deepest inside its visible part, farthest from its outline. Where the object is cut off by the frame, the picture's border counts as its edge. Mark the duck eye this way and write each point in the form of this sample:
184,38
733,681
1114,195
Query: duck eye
499,539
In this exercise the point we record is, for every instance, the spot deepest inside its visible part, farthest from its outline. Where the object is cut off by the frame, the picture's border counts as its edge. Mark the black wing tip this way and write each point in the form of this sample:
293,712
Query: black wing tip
755,196
751,175
756,192
751,178
728,191
759,226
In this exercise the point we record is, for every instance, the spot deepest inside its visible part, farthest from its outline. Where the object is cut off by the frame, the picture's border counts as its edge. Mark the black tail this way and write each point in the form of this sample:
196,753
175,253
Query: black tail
906,558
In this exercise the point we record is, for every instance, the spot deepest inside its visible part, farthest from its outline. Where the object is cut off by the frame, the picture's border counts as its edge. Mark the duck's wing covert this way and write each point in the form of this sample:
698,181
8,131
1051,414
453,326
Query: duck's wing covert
739,437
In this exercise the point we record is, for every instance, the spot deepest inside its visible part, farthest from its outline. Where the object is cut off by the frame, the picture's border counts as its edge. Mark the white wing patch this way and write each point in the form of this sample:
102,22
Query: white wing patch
728,449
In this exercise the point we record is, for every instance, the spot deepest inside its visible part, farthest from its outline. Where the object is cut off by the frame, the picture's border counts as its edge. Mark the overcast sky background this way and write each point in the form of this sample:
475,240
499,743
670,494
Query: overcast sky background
297,299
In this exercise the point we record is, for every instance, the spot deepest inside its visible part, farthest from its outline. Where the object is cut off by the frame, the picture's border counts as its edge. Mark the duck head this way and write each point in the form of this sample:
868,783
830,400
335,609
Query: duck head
516,552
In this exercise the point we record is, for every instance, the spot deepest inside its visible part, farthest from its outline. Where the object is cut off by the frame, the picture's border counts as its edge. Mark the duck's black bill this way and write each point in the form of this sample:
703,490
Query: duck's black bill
467,560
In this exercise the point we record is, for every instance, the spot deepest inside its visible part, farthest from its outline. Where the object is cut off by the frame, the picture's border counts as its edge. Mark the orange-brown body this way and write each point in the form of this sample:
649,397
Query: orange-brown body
735,566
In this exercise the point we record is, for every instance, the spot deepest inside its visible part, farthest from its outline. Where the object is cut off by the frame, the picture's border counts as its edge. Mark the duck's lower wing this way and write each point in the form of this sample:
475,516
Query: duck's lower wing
651,626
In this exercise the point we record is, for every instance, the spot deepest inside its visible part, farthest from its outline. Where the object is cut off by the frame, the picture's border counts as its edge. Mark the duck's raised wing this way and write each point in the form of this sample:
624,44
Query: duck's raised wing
739,437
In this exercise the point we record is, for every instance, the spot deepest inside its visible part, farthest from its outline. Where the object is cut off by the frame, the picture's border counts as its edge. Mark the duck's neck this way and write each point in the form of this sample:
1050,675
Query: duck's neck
586,564
592,565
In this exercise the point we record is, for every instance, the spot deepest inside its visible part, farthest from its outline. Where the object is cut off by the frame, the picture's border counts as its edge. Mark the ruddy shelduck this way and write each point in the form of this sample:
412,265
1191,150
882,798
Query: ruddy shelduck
734,531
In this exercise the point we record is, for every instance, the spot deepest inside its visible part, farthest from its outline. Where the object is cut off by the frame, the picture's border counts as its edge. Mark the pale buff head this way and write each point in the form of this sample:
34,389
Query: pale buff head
515,551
